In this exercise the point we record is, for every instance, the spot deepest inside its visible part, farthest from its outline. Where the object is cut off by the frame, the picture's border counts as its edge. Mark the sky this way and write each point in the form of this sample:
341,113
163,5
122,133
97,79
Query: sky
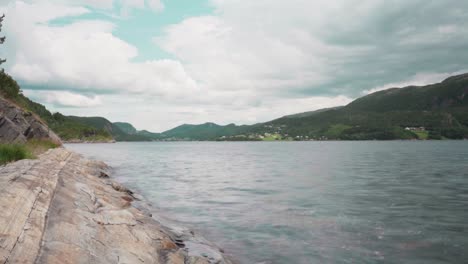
161,63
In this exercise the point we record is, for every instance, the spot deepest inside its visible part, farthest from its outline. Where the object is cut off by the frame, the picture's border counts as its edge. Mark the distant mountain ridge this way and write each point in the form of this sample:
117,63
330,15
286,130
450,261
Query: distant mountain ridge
440,109
450,93
310,113
126,127
206,131
435,111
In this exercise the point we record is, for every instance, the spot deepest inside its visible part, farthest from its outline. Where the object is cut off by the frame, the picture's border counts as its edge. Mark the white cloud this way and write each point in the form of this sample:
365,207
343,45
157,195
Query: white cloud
316,47
156,5
85,55
232,57
64,98
100,4
247,61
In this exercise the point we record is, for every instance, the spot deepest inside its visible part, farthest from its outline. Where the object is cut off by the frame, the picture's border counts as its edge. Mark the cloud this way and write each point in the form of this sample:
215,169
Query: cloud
317,48
64,98
156,5
124,5
84,56
244,62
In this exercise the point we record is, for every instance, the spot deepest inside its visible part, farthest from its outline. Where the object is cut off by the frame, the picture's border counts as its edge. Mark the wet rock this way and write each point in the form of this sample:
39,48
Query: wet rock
168,245
103,175
180,243
119,187
176,258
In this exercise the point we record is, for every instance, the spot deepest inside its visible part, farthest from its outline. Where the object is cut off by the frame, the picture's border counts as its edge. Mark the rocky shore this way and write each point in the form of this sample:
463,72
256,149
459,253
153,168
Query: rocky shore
81,141
63,208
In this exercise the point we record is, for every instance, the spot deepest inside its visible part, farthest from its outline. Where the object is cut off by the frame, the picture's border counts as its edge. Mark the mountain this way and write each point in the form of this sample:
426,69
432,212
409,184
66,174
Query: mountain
134,135
150,135
207,131
438,110
434,111
126,127
311,113
119,131
451,93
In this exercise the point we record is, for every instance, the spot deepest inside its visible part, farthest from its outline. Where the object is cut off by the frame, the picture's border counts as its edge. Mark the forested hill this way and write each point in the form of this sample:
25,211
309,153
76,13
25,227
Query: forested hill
434,111
437,111
68,128
453,92
207,131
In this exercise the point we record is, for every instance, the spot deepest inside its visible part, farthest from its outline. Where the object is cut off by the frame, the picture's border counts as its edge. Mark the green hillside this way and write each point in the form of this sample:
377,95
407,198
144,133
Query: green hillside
207,131
65,127
450,93
440,110
132,134
311,113
117,131
126,127
434,111
437,111
69,128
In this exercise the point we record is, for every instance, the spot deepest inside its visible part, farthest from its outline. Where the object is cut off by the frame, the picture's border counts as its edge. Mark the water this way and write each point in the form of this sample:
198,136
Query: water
308,202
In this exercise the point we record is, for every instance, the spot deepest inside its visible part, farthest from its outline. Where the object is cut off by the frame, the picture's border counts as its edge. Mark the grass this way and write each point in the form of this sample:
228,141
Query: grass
422,134
335,131
13,152
37,147
273,137
30,150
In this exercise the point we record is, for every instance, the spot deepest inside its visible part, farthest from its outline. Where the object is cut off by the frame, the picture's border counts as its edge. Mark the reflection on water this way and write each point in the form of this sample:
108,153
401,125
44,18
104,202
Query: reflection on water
308,202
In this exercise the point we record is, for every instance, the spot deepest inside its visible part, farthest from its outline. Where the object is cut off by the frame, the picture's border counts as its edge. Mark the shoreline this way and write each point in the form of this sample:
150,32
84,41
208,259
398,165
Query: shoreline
274,141
64,208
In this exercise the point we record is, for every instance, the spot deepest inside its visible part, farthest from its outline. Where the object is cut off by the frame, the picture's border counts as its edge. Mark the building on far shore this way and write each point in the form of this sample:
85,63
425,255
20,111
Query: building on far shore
415,129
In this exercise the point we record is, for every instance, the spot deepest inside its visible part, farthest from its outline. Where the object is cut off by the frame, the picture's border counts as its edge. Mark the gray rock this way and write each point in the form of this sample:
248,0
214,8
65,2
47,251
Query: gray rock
58,210
18,125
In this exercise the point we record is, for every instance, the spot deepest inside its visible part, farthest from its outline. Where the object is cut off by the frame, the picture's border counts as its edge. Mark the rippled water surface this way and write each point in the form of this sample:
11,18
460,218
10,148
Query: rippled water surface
308,202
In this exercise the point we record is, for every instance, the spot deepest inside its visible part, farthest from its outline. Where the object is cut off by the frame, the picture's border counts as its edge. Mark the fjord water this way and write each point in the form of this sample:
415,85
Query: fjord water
308,202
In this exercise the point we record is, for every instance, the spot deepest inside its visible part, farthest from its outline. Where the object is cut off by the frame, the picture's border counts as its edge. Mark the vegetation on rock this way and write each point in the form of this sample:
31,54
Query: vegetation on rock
66,127
13,152
29,150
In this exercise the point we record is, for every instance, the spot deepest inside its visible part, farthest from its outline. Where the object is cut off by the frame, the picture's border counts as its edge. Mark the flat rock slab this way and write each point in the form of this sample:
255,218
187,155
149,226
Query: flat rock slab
60,209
